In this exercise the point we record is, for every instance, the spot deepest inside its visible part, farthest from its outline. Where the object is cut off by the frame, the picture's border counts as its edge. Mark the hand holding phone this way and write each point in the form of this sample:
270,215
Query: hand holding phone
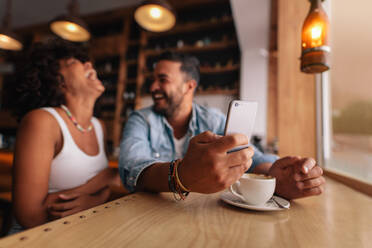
240,119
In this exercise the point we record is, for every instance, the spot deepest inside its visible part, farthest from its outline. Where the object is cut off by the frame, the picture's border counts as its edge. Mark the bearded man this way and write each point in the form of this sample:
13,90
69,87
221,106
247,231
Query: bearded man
177,128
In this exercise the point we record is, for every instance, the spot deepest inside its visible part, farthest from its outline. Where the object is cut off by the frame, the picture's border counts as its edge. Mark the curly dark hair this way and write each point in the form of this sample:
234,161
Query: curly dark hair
37,81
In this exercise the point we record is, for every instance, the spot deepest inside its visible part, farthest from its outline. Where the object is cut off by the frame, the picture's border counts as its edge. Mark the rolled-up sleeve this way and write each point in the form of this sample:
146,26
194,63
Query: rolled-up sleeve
135,151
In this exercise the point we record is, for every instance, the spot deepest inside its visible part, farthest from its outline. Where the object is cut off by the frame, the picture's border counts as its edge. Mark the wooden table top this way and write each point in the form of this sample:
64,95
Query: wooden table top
340,217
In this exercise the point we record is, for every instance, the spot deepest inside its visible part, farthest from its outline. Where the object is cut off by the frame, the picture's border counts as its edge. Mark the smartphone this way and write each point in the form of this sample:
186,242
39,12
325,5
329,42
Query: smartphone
241,119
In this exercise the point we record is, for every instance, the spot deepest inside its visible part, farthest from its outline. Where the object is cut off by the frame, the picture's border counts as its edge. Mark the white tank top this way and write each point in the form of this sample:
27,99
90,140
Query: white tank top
72,167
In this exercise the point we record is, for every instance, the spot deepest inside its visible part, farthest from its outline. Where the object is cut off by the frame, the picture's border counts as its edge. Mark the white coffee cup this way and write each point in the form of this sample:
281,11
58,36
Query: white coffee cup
254,189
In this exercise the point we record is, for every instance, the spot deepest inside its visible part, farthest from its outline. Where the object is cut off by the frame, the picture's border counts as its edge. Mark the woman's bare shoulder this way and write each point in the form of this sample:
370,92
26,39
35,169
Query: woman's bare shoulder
39,119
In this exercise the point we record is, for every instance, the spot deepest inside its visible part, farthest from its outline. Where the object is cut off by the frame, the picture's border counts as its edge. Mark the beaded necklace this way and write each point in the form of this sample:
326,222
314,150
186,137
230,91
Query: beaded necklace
77,125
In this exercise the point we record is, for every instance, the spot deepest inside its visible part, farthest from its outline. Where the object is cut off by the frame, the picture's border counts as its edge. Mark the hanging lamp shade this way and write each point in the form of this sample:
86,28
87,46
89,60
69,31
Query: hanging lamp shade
315,43
8,39
155,15
70,27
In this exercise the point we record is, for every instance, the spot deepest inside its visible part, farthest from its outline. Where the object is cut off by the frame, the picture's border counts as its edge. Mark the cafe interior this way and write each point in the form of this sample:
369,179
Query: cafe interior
306,63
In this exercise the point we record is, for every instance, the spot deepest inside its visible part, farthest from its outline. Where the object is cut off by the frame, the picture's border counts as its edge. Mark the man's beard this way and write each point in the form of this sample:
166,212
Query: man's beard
173,104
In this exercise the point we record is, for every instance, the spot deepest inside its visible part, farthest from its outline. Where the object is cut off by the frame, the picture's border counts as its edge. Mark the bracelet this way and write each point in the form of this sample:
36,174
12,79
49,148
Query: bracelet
170,179
174,183
177,163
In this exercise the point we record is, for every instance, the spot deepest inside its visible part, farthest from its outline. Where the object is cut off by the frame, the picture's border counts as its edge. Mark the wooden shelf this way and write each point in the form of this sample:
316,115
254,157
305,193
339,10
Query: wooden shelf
212,46
208,70
132,62
131,81
193,26
7,120
107,74
212,70
106,46
133,42
210,92
217,92
110,86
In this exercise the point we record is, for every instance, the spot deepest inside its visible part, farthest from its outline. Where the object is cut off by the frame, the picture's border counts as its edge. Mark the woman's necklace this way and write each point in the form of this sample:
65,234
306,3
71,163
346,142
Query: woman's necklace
77,125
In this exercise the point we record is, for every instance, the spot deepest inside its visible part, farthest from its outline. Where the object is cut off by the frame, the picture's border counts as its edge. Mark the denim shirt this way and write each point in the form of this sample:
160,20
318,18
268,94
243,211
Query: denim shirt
148,139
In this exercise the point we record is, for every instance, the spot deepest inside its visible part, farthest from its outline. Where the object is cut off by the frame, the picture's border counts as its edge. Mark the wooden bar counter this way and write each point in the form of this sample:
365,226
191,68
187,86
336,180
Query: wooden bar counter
340,217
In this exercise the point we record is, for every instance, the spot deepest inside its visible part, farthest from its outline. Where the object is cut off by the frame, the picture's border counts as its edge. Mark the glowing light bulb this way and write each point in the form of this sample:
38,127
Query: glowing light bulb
316,32
155,12
71,27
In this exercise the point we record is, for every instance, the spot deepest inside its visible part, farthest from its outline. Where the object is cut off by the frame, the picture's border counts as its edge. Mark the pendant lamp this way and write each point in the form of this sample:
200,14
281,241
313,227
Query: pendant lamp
70,27
155,15
8,39
315,44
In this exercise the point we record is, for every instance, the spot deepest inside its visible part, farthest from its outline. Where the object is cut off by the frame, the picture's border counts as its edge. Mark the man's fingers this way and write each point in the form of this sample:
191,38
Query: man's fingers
305,165
312,191
228,142
240,157
313,173
286,162
206,137
235,173
311,183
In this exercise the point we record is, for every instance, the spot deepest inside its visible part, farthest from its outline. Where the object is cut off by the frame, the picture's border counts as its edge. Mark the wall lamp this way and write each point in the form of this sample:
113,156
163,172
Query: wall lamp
315,44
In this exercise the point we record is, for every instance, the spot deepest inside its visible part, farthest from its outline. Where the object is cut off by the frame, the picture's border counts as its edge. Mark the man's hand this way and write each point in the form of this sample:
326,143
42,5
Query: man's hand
71,203
208,168
297,177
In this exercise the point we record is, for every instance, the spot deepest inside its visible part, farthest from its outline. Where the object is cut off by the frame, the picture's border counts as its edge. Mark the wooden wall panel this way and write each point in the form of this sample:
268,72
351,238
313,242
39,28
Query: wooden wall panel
296,90
272,95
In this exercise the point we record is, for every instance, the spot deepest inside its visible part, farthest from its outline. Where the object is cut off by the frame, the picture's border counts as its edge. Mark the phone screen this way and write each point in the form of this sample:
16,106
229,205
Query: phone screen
241,119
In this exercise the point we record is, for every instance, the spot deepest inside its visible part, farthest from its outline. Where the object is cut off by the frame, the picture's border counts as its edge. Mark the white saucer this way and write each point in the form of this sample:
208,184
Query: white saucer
229,198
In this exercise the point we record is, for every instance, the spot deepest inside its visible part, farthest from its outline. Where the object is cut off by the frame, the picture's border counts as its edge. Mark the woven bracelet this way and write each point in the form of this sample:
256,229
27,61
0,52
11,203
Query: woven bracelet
170,177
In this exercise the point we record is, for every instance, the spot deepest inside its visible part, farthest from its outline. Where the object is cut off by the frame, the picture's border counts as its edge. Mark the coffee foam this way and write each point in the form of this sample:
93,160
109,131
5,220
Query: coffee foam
258,176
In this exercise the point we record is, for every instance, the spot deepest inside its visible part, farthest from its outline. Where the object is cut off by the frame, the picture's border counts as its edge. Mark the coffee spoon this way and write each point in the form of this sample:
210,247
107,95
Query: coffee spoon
280,202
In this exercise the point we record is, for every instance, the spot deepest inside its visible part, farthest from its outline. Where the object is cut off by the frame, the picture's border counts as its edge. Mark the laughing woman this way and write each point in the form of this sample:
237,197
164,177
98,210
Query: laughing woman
60,164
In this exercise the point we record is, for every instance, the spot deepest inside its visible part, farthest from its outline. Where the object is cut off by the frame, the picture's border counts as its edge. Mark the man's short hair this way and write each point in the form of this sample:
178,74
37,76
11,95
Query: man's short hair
189,64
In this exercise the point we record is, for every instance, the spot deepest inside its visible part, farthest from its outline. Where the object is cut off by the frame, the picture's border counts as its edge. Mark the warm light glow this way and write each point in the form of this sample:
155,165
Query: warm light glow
71,27
316,32
8,43
314,43
155,18
155,12
70,31
4,38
